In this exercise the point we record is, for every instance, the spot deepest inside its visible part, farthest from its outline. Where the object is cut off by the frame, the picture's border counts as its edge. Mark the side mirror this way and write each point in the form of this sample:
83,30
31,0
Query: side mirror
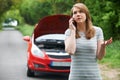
26,38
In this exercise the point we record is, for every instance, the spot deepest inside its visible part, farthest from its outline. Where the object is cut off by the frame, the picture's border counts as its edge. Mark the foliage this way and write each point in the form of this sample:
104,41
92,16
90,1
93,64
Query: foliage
34,10
59,6
105,15
25,29
37,9
16,4
14,14
5,5
10,9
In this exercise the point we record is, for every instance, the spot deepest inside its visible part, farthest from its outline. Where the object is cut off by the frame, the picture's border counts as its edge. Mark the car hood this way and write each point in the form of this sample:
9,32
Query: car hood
55,24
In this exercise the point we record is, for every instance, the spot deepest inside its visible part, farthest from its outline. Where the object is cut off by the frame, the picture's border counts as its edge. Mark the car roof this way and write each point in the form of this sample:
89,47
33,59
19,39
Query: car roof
54,24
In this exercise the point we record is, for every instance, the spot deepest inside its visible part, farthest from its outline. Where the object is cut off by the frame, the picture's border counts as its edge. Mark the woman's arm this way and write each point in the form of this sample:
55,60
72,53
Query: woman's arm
101,45
70,43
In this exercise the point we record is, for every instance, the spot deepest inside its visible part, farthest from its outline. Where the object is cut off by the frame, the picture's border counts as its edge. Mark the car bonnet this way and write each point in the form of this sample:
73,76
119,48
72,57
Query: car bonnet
55,24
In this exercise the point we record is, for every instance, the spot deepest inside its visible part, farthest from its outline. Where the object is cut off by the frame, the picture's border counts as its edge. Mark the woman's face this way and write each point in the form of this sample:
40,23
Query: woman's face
78,15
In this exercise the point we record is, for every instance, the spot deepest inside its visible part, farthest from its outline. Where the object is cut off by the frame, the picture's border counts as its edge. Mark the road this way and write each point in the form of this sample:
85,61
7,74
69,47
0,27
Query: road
13,58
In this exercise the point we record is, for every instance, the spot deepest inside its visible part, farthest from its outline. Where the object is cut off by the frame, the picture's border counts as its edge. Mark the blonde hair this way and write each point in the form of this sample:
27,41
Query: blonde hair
90,32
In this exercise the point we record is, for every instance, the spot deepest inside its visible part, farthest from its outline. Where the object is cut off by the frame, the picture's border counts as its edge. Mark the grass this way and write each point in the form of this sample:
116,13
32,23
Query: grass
26,29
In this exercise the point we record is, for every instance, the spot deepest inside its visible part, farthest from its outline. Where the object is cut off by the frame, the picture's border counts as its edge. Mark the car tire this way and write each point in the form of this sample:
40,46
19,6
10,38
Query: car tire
30,73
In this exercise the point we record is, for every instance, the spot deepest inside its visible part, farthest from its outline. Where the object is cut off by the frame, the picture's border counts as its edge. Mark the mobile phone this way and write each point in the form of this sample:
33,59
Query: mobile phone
74,23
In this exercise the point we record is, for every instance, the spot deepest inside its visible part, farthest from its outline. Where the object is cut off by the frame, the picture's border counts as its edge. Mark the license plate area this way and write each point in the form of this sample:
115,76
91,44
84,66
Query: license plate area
60,64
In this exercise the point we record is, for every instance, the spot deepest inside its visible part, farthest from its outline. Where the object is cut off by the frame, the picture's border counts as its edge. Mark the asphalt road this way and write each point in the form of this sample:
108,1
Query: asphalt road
13,58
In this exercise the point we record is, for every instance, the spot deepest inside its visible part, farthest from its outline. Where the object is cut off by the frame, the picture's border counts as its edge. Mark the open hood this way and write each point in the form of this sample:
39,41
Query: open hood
55,24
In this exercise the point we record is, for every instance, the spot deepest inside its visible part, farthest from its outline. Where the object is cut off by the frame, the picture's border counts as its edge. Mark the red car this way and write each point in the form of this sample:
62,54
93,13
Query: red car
46,46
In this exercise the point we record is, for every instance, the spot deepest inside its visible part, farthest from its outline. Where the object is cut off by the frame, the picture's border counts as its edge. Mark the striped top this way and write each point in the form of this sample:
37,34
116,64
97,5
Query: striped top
84,64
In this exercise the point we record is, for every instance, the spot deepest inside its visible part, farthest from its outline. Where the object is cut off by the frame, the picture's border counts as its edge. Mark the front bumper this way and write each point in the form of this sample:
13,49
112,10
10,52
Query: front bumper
49,64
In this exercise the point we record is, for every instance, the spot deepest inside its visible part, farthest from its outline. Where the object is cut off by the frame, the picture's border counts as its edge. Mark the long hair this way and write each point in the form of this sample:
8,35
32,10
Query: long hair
90,32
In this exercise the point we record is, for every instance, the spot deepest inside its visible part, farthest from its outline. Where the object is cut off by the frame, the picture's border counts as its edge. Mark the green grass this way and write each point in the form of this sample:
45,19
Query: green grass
112,57
26,29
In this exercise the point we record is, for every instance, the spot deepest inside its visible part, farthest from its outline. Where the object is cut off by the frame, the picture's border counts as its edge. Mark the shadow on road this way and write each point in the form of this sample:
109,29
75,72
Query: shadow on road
45,76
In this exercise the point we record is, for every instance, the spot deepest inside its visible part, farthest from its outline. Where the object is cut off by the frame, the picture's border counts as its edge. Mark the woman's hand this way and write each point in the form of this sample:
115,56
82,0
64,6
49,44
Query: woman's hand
101,52
71,25
107,42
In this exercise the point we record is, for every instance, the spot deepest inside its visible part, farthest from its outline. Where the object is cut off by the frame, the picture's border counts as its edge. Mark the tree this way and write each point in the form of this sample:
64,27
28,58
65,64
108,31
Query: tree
61,6
34,10
106,14
5,5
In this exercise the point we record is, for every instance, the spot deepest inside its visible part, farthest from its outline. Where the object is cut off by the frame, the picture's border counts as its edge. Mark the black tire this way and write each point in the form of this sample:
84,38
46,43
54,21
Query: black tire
30,73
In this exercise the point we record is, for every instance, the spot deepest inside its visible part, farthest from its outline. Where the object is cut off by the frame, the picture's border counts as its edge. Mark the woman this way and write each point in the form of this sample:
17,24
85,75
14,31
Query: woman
85,43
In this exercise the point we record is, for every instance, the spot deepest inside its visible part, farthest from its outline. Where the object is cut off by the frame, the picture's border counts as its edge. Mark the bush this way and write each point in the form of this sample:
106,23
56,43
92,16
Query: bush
25,29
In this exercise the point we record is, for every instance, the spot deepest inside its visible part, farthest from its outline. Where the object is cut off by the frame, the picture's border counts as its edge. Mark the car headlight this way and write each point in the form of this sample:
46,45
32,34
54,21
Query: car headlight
36,51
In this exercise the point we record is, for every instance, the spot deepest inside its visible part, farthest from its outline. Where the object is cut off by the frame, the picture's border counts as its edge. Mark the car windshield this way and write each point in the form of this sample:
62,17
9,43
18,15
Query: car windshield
51,42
